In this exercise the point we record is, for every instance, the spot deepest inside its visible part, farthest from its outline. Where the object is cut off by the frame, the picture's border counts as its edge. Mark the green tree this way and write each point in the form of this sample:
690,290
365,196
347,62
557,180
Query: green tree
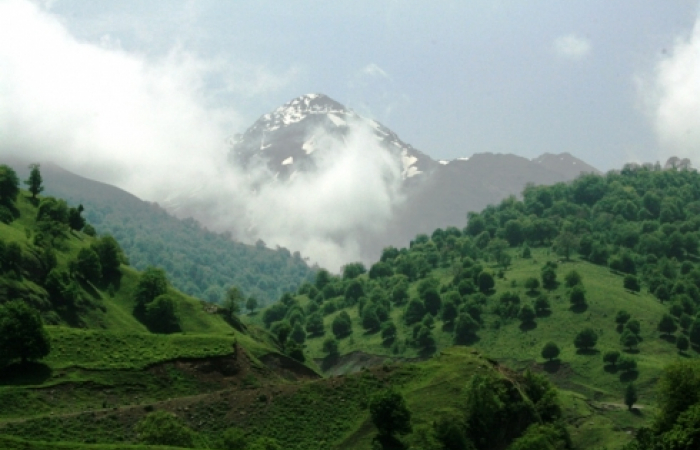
549,279
627,363
532,284
22,333
353,270
314,324
565,244
233,301
330,346
577,296
667,324
164,428
281,330
88,265
75,219
9,189
161,315
370,320
298,333
110,255
630,396
694,332
34,182
449,311
388,331
415,310
234,439
342,325
678,390
631,283
634,326
550,351
682,343
586,339
251,304
526,314
542,305
465,328
389,413
629,339
611,357
572,278
622,317
152,283
264,443
432,301
486,282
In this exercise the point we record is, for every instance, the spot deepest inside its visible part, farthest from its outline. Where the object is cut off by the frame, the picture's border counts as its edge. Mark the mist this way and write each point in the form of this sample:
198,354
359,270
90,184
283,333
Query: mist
673,97
149,126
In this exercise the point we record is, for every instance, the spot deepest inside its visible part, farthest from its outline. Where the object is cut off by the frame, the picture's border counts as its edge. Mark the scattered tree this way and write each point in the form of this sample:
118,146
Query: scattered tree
682,343
667,324
314,324
627,363
532,284
342,325
526,314
611,357
251,304
298,334
388,331
34,182
622,317
586,339
88,265
542,305
330,346
550,351
465,328
573,278
22,333
161,315
577,296
486,282
631,283
630,396
389,413
628,339
415,310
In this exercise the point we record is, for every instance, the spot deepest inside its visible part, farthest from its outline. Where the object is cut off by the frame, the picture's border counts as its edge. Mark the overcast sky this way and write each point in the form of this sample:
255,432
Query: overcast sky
607,81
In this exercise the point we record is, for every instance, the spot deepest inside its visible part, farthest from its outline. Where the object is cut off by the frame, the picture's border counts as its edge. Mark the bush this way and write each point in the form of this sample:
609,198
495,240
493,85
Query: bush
163,428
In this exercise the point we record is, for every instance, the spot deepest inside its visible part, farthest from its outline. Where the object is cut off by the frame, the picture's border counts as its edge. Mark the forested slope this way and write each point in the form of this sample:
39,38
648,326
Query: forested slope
198,262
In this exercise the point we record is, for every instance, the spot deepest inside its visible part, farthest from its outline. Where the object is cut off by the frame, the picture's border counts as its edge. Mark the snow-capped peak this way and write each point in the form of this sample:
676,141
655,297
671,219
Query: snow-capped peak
301,107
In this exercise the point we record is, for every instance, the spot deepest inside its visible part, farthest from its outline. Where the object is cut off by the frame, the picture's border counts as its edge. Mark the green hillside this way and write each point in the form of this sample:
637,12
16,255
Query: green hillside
611,258
199,262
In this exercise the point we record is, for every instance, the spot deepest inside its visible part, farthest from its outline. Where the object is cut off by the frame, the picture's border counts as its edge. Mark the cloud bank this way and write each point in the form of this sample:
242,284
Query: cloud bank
673,98
151,126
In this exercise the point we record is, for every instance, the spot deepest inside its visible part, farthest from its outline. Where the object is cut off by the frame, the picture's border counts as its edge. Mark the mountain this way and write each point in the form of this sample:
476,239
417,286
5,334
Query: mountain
437,194
291,137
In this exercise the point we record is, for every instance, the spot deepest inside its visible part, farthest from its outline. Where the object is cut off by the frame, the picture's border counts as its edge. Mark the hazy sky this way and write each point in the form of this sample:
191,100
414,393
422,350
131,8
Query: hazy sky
609,81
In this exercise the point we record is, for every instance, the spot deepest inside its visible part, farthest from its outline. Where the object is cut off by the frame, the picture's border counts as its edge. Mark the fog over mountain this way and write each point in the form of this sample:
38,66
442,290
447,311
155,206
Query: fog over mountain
152,124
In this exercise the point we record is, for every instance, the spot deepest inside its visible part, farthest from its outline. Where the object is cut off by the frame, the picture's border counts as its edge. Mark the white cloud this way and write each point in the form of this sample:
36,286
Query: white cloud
572,47
673,96
154,126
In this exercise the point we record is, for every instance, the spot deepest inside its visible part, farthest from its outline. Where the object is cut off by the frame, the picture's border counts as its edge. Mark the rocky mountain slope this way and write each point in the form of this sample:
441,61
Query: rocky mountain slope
436,194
